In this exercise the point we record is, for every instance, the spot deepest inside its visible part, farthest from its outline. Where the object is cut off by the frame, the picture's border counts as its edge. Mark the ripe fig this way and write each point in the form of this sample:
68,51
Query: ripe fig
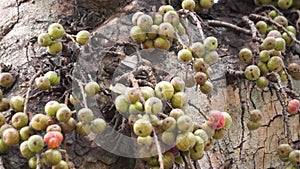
293,106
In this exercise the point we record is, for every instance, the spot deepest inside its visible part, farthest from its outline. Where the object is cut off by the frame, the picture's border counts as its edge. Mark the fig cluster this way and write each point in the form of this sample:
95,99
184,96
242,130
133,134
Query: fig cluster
176,130
287,154
52,39
255,117
197,6
158,29
51,78
283,4
202,55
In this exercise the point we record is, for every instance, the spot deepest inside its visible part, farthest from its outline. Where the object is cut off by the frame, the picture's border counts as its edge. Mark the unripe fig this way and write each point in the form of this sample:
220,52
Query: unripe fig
10,136
2,119
52,157
53,77
255,115
228,120
162,43
157,18
19,120
145,141
179,99
178,84
166,30
184,55
211,57
280,44
288,40
164,90
198,49
85,115
294,157
273,14
35,143
43,83
284,150
56,30
264,55
147,92
207,88
142,128
39,122
137,34
210,43
268,43
135,108
210,131
206,3
121,104
44,39
17,103
164,9
200,78
275,63
196,153
83,129
199,65
291,29
180,29
55,47
144,22
98,125
185,123
63,114
153,105
51,108
285,4
3,147
262,27
262,67
252,72
91,88
168,137
132,95
188,4
53,127
25,151
61,165
169,124
262,82
219,134
133,118
4,127
135,17
183,142
202,134
4,105
68,126
171,17
189,80
245,55
293,106
6,79
253,125
176,113
168,160
83,37
152,33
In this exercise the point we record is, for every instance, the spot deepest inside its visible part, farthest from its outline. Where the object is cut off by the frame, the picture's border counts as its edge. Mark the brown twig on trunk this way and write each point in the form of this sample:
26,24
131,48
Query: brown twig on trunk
30,84
196,19
199,110
251,25
259,17
217,23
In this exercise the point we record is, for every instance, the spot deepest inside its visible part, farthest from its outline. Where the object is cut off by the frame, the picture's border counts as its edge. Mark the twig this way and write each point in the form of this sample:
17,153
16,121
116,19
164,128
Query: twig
187,159
199,110
236,73
81,89
228,25
267,6
30,84
251,25
259,17
72,38
38,161
195,18
298,20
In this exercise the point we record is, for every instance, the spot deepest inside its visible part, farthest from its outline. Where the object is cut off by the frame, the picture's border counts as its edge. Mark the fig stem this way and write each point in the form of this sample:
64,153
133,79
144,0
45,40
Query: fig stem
30,84
199,110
